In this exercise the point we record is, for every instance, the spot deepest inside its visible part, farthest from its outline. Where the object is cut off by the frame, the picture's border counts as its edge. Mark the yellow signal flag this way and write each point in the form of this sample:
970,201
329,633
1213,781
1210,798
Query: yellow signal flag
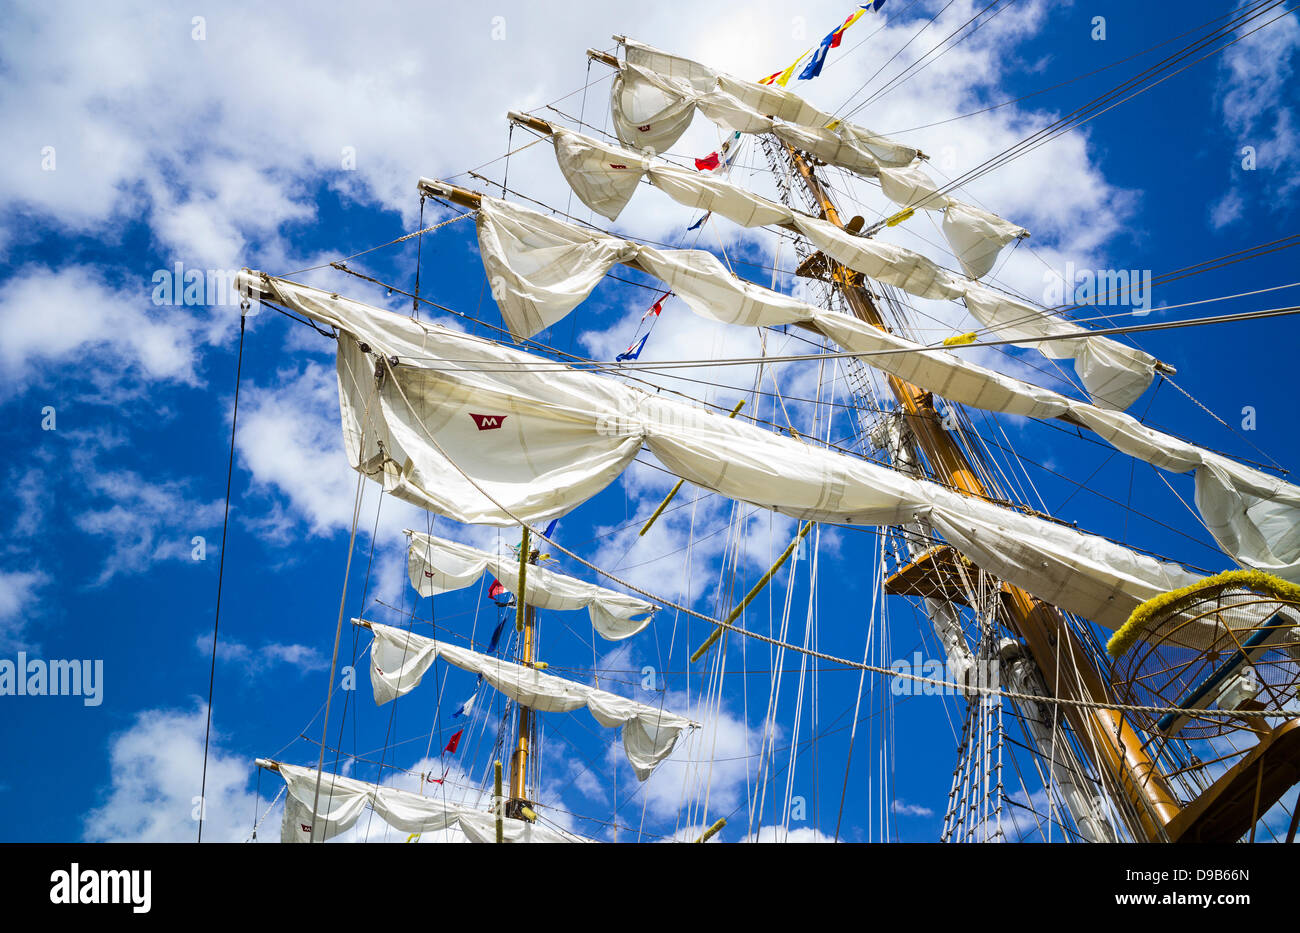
959,340
783,77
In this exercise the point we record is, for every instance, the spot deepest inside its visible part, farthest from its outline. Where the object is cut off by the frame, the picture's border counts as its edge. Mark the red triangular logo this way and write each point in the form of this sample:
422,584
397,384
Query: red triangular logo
488,422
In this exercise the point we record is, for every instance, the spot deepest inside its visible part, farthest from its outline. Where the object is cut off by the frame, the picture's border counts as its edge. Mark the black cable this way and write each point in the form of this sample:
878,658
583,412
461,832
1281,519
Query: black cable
1088,74
221,568
419,249
877,72
1097,106
912,70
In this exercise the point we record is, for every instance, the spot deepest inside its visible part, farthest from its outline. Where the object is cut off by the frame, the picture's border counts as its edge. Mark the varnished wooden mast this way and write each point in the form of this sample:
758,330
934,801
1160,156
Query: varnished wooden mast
519,805
1105,735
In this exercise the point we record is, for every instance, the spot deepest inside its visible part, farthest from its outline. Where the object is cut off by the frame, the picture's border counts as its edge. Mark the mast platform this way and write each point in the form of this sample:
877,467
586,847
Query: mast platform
1232,805
933,574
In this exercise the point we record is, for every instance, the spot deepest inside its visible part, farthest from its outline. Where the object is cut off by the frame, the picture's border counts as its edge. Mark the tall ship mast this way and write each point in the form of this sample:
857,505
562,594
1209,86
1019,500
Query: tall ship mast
1102,693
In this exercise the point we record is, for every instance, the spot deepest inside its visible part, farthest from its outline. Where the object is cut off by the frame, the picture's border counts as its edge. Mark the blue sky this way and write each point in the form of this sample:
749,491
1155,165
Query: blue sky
217,145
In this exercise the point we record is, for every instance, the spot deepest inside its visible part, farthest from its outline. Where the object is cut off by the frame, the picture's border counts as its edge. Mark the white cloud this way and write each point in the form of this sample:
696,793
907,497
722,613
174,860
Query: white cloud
1255,91
130,112
145,520
289,438
263,657
29,489
910,809
1227,210
114,336
135,520
17,597
157,765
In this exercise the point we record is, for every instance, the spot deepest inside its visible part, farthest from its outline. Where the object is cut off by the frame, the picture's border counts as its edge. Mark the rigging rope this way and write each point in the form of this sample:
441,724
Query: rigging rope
812,652
1082,114
912,70
419,250
1015,100
338,631
601,366
221,569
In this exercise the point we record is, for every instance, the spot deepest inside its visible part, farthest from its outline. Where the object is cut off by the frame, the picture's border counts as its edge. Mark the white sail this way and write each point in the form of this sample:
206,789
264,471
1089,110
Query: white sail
462,388
563,435
1250,513
1114,373
437,565
680,84
399,660
830,146
651,110
604,177
552,266
342,800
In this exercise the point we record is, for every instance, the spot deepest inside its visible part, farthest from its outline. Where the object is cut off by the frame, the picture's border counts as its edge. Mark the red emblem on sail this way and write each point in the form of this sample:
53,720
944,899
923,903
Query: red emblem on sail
306,827
488,422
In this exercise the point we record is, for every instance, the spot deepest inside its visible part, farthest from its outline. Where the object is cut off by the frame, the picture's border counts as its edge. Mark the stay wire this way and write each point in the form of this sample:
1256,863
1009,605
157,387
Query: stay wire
1097,106
811,652
876,73
912,70
1088,74
221,572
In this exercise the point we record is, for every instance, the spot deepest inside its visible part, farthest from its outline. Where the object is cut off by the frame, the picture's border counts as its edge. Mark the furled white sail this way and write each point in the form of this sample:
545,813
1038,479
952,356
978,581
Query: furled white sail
551,263
976,236
561,435
541,456
1115,373
652,110
437,565
650,113
886,262
604,177
342,801
1250,513
700,77
399,660
654,87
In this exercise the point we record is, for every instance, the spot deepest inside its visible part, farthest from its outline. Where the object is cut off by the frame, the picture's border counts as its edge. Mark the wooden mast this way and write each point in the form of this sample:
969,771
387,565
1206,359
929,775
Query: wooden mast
519,804
1107,737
